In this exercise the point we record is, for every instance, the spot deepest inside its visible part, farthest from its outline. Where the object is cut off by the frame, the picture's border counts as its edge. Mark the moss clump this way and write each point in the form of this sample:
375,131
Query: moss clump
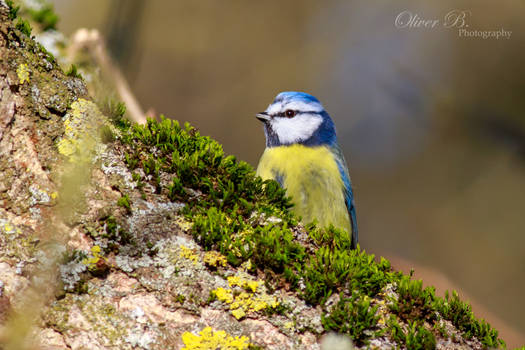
414,302
115,234
125,203
354,316
114,110
333,269
460,314
417,336
13,10
23,26
45,17
247,219
73,72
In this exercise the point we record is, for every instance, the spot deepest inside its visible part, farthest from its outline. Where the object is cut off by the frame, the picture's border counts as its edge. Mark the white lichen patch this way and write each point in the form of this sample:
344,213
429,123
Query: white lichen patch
130,263
112,165
40,196
141,337
70,273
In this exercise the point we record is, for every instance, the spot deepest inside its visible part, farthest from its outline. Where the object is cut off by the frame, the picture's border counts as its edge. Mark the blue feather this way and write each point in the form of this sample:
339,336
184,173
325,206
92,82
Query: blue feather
348,193
295,95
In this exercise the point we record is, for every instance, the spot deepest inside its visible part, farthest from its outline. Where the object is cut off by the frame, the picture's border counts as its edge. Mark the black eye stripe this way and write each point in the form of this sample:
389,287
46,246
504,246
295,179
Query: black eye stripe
283,115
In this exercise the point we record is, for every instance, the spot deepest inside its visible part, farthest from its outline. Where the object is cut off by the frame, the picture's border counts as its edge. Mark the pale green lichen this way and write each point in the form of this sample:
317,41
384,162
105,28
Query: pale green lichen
23,73
210,339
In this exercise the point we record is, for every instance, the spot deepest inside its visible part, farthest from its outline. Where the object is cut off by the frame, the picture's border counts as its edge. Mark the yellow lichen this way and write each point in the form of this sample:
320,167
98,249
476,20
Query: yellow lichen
81,135
213,258
95,257
247,265
244,283
289,325
250,299
8,228
238,313
210,339
188,253
224,295
184,224
23,73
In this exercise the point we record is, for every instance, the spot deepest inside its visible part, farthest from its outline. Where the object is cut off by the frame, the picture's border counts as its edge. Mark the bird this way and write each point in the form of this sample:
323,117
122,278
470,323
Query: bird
302,154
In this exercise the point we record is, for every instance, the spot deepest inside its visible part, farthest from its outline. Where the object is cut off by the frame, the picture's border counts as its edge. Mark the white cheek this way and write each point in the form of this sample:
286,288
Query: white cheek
299,128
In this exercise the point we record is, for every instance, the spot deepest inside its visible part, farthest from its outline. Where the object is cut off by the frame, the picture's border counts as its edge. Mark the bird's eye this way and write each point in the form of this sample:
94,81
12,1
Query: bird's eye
289,113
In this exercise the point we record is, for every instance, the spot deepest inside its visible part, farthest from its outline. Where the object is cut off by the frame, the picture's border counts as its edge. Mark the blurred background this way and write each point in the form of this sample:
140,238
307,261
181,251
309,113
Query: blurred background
432,123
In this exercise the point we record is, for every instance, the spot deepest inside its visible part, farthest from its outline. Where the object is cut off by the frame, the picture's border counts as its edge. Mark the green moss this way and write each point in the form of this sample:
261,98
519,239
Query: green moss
414,302
124,202
72,255
73,72
50,57
106,134
114,232
439,328
114,110
45,16
331,270
248,219
23,26
13,10
419,338
461,316
354,316
179,298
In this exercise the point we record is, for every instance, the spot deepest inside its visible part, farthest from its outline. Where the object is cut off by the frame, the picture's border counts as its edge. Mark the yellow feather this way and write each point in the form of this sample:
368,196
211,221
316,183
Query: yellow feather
311,177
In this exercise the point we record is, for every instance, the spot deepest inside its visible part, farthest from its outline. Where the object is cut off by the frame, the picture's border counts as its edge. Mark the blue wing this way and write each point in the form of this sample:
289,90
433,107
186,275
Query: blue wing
349,196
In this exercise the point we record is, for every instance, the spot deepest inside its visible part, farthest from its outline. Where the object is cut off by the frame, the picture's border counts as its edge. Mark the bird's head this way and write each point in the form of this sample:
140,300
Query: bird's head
297,118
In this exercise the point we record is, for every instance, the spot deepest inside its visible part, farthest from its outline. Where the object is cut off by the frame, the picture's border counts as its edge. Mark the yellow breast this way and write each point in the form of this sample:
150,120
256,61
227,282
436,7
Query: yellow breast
311,177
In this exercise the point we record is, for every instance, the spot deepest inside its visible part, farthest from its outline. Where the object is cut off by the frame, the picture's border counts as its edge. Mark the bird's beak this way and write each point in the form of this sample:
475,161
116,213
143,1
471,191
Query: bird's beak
263,116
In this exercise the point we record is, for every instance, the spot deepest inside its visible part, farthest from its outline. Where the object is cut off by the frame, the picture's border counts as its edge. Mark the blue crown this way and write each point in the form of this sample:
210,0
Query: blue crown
288,96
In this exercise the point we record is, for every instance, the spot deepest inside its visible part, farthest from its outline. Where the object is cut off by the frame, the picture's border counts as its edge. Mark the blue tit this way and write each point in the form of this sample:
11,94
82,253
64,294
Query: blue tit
303,156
